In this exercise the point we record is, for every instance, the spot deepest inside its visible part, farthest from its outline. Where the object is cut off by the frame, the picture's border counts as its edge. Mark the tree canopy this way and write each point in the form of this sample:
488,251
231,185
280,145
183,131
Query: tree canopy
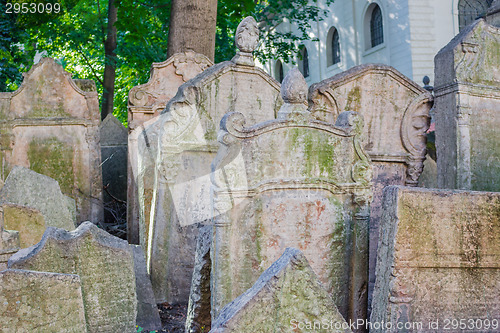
76,35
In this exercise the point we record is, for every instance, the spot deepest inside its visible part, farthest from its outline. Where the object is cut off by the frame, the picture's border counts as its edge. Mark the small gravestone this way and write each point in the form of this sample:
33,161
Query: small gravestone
29,222
41,302
287,297
114,139
438,260
25,187
9,242
103,262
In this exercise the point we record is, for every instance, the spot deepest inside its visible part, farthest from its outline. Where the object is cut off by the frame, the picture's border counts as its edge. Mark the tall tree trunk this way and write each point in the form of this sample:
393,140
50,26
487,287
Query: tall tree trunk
110,62
192,27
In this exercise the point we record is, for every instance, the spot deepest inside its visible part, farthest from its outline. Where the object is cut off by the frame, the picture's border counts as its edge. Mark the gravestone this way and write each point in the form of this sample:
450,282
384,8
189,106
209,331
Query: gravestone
145,104
438,259
266,200
29,222
287,297
187,145
114,139
9,242
396,114
25,187
51,126
467,109
103,262
41,302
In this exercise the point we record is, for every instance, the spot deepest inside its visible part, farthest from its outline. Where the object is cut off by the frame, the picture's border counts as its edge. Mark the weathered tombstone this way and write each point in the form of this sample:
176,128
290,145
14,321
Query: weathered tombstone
103,262
288,296
187,145
292,181
396,114
467,108
9,242
41,302
29,222
145,103
114,139
51,126
438,260
25,187
148,316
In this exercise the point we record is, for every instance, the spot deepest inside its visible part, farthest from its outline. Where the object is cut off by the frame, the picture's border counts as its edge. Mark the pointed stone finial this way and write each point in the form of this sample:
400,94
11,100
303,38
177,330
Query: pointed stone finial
294,94
247,39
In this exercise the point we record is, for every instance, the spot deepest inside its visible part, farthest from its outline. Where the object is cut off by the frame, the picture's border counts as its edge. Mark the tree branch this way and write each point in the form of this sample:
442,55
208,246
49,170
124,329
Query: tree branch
79,49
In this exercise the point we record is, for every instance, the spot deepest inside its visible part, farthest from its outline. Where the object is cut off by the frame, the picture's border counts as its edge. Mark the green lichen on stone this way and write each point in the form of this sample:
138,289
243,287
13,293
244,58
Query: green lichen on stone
353,100
53,158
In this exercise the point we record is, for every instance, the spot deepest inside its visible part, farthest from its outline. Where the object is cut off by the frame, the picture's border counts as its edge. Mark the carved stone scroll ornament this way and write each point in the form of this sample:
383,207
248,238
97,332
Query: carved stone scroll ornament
416,122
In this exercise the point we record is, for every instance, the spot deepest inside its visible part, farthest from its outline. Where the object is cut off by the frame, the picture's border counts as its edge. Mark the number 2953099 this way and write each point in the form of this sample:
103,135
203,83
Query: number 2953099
32,8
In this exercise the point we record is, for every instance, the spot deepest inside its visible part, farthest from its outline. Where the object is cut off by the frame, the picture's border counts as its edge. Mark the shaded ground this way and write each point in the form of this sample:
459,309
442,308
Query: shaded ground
173,317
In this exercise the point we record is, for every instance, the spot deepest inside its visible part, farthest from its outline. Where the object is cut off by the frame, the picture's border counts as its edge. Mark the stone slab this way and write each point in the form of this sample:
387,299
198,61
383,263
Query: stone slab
104,264
41,302
287,297
29,222
438,258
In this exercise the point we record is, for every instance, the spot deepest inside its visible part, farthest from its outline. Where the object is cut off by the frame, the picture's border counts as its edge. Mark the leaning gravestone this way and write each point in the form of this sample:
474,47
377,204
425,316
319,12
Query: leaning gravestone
103,262
41,302
145,104
396,114
266,200
467,109
25,187
187,145
9,242
51,126
438,260
29,222
288,296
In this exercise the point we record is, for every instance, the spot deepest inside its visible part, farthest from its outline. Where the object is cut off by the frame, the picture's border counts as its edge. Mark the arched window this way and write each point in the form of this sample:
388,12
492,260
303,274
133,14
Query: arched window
376,27
278,71
304,62
333,50
470,10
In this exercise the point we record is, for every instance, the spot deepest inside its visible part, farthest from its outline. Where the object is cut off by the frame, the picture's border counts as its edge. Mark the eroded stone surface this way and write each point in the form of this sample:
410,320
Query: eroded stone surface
25,187
396,114
438,257
467,109
51,126
287,297
187,145
104,264
41,302
29,222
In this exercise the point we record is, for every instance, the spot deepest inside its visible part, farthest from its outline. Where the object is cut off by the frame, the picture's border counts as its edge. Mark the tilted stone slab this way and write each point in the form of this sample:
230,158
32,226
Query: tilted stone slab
287,297
41,302
291,182
29,222
467,109
187,145
51,126
438,259
396,114
144,106
103,262
25,187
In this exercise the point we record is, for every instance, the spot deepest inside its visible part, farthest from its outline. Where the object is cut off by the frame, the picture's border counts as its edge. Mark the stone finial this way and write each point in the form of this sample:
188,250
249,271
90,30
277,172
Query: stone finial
247,39
294,94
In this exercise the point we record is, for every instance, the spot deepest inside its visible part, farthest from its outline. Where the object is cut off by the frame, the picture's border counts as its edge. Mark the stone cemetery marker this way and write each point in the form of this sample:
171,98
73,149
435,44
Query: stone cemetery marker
467,109
41,302
292,181
29,222
438,260
396,114
9,242
25,187
51,126
287,297
145,104
114,139
187,145
106,268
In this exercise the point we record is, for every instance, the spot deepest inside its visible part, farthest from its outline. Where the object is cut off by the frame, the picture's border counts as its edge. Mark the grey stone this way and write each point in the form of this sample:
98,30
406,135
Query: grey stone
41,302
103,262
438,258
148,316
287,297
25,187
